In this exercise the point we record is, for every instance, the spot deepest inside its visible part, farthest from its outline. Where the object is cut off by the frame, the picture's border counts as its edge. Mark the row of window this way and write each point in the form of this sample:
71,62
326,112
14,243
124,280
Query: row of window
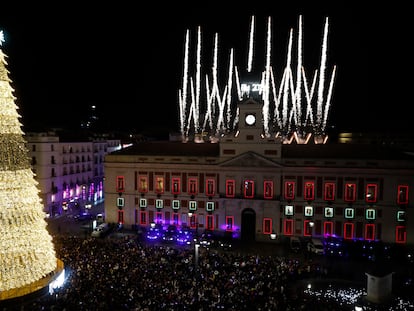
210,222
248,191
175,204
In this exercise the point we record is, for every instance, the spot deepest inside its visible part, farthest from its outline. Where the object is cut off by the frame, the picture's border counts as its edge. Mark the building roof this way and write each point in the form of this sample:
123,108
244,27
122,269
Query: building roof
292,151
172,148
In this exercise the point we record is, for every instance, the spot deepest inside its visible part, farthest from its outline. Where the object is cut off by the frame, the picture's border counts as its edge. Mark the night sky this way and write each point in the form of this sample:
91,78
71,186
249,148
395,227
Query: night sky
128,60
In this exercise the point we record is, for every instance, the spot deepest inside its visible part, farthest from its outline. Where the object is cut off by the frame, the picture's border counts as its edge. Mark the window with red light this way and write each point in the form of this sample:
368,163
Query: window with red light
158,217
402,195
143,184
400,234
329,193
120,184
307,227
175,219
268,189
175,185
309,194
143,218
371,193
267,226
249,189
230,188
350,192
120,216
210,222
328,228
229,223
289,190
192,185
193,221
159,184
348,230
370,232
288,226
210,187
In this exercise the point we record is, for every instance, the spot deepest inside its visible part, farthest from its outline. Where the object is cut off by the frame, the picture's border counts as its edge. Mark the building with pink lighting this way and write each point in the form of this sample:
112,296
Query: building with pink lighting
252,186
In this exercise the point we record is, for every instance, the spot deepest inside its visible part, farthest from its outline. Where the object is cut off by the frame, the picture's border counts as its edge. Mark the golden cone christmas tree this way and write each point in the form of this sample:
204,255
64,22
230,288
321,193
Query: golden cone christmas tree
27,252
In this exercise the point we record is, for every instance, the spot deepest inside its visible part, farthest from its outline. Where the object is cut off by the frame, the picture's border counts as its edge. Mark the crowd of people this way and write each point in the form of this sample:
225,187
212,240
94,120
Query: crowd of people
126,274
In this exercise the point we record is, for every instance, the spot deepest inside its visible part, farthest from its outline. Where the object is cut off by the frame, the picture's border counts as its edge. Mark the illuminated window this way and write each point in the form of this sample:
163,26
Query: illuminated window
400,234
158,217
120,202
289,210
349,213
210,206
142,202
402,195
348,230
308,211
400,216
249,189
289,190
143,184
329,194
210,222
192,205
175,204
309,194
159,203
370,232
328,212
267,226
370,214
371,193
192,186
193,221
120,184
268,189
159,184
229,223
175,219
288,226
328,228
143,218
350,192
210,186
308,227
230,188
120,216
175,185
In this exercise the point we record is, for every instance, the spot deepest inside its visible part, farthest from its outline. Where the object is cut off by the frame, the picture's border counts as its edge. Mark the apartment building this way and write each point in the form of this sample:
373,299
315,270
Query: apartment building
70,171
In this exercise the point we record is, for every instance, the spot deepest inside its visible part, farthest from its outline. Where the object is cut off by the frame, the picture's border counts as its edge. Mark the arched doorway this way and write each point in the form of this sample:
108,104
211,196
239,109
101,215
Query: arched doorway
248,226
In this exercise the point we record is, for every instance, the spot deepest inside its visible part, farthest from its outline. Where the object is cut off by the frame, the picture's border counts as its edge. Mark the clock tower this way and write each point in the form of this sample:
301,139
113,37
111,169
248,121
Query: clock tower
249,135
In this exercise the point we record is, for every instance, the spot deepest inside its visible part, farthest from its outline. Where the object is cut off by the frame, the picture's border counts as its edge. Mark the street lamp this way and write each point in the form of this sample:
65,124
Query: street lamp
273,235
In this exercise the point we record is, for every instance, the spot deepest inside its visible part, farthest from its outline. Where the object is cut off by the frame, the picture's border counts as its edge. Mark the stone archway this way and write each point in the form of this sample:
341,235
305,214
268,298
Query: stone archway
248,225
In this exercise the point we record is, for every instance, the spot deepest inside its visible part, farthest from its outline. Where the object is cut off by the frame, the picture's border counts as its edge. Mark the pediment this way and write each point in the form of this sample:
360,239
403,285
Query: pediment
249,159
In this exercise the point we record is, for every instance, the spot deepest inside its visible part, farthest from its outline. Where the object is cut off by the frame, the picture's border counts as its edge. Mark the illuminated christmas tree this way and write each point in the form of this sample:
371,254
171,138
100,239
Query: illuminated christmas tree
27,253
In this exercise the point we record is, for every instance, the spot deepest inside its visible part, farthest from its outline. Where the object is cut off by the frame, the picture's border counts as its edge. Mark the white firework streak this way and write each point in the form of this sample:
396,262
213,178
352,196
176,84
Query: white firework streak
198,73
266,87
251,45
309,95
208,117
183,101
239,92
298,93
276,97
328,99
286,82
322,75
229,85
221,103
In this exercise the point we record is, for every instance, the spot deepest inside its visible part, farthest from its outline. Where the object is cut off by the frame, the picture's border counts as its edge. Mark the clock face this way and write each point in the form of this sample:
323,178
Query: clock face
250,119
